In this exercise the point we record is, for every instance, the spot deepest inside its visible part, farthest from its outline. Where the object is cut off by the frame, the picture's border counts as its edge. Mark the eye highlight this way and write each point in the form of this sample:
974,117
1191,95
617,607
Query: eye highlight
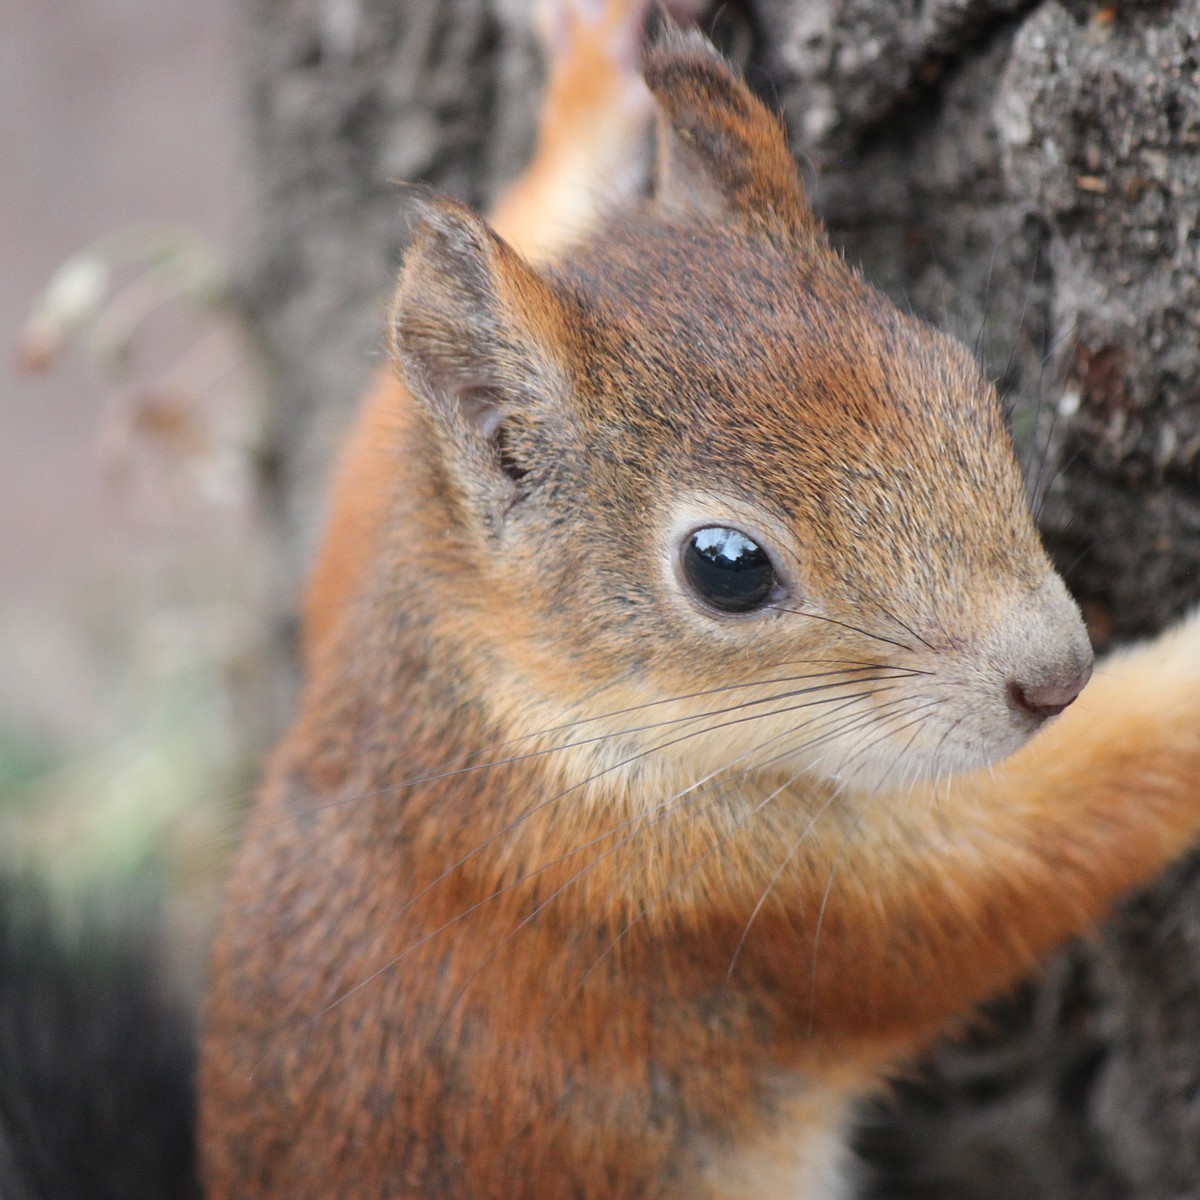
727,570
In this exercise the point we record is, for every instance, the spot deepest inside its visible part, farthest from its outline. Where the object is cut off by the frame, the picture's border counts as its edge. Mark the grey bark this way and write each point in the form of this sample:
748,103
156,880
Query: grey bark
1025,173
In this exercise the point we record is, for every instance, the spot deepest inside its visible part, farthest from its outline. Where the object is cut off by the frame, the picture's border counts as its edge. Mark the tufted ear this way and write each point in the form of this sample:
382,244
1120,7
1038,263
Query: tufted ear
477,336
720,151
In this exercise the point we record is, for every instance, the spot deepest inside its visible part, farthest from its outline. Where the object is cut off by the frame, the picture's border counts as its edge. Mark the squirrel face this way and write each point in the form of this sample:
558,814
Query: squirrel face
708,481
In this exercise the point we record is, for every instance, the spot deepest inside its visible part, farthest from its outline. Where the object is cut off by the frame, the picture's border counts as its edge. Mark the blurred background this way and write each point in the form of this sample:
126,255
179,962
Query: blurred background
129,592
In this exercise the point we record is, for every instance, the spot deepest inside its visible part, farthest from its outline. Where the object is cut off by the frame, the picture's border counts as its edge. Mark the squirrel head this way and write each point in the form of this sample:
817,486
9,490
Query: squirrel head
703,478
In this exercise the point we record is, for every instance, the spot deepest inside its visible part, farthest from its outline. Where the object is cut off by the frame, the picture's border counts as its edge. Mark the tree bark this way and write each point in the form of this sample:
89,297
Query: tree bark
1024,173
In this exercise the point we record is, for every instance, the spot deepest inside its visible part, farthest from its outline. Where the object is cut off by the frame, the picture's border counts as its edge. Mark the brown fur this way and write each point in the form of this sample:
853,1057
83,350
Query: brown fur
472,949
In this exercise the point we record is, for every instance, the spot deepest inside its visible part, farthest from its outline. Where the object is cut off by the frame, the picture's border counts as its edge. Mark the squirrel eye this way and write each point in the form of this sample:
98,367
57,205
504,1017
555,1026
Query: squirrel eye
727,570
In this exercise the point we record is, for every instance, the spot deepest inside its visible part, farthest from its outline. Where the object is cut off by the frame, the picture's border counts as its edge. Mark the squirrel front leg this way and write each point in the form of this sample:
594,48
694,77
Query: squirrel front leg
995,869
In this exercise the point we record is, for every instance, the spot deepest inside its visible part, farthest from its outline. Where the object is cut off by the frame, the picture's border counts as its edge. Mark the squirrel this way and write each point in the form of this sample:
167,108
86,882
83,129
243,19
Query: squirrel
695,725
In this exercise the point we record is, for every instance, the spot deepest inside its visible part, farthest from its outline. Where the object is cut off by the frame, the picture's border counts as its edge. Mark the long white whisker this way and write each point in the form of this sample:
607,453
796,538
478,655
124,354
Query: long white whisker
874,796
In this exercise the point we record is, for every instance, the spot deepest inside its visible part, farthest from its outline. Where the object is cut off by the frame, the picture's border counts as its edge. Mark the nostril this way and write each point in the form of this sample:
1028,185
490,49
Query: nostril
1044,700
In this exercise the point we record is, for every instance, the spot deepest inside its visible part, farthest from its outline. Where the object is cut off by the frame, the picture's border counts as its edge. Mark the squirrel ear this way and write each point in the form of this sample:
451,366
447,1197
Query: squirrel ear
472,329
720,150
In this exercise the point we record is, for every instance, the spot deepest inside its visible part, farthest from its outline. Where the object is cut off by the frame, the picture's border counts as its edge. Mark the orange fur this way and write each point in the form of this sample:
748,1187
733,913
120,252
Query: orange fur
530,907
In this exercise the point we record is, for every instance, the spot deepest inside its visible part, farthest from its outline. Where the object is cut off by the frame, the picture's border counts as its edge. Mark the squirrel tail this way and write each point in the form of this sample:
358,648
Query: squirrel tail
97,1061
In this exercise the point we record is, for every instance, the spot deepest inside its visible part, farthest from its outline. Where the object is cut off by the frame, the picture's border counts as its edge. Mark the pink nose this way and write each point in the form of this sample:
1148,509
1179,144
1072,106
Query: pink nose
1044,700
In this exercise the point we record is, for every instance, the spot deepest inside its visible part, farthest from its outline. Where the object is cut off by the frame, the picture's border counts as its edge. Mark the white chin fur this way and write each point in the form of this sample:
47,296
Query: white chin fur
913,755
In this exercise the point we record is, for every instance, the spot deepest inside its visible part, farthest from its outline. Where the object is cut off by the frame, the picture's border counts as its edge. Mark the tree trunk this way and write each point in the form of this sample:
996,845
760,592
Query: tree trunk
1026,174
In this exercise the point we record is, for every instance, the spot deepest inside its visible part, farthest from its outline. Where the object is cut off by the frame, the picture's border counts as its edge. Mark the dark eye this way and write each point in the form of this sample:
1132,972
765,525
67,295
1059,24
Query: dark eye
727,570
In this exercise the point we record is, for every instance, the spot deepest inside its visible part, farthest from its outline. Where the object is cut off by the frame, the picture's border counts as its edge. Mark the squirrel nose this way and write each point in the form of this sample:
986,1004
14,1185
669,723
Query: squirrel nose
1048,699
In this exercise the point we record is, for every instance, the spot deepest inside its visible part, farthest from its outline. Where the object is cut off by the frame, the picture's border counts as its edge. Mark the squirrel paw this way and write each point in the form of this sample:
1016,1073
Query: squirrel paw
1173,656
615,25
593,148
578,36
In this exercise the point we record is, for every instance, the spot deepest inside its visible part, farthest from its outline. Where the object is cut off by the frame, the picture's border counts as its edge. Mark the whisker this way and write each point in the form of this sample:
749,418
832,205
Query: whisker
1051,348
530,917
1012,351
987,304
837,791
854,827
672,884
640,822
844,667
891,616
857,669
799,612
542,905
882,716
655,813
1037,495
937,750
737,950
530,812
920,709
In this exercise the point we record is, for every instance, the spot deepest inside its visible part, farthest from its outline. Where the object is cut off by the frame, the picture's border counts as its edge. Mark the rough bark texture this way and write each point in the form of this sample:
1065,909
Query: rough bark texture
1027,174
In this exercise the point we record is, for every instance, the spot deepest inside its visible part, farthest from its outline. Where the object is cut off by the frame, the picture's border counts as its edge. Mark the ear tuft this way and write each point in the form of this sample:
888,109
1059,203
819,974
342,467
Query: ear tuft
663,32
451,264
720,150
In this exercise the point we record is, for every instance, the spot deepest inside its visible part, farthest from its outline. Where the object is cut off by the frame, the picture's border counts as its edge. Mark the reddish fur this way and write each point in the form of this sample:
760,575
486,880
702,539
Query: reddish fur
356,510
354,1047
